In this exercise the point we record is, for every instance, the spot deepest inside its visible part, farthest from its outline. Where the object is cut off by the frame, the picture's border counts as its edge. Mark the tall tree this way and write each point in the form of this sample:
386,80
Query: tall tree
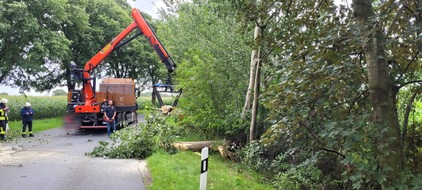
90,32
254,82
79,31
39,39
212,58
381,91
32,42
333,86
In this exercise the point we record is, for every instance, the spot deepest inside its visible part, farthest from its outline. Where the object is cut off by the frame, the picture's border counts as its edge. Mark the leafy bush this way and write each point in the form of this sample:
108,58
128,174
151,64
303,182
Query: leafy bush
211,72
253,156
59,92
300,177
257,155
139,141
289,169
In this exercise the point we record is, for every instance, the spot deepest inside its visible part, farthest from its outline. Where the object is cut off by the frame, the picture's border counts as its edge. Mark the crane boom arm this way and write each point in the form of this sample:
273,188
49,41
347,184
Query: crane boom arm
153,40
144,29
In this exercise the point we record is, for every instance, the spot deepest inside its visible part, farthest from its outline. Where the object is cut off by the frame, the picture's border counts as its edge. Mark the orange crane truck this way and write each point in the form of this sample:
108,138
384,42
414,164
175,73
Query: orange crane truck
87,105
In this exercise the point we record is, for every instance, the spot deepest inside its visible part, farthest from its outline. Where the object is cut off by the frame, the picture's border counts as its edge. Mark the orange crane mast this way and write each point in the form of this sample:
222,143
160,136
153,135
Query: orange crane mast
85,101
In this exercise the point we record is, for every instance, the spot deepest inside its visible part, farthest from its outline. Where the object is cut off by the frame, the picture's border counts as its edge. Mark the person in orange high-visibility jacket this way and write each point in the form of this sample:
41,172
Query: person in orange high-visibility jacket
3,118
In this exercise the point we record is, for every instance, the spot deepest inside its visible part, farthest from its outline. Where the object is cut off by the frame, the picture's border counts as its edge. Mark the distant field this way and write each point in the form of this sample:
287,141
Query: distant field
56,106
44,106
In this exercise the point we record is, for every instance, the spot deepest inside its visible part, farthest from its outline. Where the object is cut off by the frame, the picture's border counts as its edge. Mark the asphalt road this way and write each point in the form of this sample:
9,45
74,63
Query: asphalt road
55,160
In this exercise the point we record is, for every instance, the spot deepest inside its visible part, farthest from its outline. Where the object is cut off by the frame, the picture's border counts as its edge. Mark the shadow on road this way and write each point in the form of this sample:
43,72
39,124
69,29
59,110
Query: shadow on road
85,132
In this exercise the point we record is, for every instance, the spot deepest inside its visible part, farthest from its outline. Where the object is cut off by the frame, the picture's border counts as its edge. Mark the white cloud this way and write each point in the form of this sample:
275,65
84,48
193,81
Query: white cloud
15,91
149,6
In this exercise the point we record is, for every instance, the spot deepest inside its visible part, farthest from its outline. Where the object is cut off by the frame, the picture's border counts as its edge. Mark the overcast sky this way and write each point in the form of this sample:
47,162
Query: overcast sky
148,6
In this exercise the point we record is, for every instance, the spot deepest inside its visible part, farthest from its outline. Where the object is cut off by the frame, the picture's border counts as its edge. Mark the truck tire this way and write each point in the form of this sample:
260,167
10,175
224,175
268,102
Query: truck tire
120,121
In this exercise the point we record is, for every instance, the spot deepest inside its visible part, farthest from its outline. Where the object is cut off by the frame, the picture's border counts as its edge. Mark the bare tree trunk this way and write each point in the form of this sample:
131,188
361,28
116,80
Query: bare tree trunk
2,76
382,96
69,81
153,98
406,115
255,58
257,81
409,143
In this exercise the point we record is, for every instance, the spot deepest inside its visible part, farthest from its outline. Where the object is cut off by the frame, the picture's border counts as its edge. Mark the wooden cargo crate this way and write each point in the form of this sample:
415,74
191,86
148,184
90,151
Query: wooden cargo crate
121,91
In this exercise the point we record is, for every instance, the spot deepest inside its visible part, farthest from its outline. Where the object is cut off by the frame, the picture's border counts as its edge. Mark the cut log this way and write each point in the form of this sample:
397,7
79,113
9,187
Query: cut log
226,153
195,145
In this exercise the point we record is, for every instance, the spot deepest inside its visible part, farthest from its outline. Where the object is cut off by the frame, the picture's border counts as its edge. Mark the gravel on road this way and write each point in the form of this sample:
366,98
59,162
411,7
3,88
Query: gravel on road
55,159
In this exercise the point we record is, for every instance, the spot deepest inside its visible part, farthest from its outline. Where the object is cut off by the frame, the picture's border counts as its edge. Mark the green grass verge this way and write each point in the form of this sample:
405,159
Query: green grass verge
39,124
182,171
15,127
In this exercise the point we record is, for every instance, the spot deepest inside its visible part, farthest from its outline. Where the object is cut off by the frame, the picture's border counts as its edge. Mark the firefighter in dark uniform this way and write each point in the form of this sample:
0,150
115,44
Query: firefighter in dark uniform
27,112
3,118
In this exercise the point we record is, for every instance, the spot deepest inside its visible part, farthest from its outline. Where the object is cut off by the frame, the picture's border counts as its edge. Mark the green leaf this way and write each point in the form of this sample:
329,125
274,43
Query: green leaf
380,178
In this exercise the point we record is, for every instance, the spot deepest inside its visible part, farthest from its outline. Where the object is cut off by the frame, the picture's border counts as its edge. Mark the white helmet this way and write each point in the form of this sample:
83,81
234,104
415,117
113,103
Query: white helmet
27,104
4,100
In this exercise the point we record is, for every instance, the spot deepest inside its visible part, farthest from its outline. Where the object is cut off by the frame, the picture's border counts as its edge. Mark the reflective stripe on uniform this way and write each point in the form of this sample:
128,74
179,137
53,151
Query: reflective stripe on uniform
1,131
2,115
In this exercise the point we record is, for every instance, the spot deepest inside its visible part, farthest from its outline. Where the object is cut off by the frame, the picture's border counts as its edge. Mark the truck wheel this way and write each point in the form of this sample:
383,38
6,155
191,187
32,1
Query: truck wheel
135,117
120,121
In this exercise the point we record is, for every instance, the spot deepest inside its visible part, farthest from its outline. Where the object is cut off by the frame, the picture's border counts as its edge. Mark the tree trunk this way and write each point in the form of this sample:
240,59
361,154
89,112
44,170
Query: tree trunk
154,80
2,76
153,98
255,58
69,80
196,145
406,115
382,96
252,132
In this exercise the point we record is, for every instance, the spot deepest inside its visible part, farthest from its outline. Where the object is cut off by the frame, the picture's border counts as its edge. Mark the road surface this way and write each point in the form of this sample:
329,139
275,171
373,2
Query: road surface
55,160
